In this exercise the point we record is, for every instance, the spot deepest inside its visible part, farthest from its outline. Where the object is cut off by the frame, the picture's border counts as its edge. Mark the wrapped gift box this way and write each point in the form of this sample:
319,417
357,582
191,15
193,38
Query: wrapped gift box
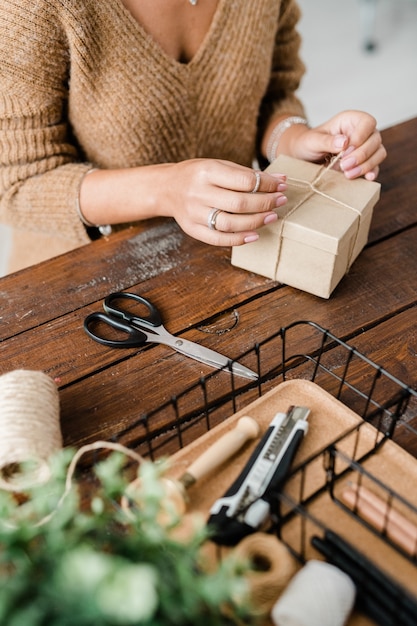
321,230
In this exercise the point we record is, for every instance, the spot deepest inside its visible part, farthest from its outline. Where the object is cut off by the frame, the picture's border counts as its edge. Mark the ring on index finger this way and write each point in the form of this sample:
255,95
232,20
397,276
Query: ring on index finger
257,181
212,216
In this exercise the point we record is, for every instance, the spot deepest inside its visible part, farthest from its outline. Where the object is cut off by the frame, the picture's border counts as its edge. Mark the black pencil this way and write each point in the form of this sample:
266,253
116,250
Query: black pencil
378,595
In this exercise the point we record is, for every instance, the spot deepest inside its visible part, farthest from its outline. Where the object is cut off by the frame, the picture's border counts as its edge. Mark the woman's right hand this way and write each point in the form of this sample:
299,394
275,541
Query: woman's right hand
191,192
245,199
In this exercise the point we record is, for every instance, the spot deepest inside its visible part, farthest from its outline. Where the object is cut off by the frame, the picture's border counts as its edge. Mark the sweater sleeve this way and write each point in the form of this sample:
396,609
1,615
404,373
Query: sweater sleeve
287,69
40,165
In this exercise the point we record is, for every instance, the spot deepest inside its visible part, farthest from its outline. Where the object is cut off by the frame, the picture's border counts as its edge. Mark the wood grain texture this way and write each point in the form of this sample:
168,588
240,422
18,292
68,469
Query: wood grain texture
203,298
158,401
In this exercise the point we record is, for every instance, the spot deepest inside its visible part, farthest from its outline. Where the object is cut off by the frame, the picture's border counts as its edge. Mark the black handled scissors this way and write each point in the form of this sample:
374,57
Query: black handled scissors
148,328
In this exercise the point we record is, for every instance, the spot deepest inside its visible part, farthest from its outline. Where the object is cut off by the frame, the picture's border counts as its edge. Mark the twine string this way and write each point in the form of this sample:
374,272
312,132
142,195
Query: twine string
30,434
91,447
29,428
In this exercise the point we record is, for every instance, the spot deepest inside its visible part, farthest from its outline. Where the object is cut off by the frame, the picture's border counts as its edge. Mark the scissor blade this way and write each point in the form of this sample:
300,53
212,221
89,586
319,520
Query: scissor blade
211,357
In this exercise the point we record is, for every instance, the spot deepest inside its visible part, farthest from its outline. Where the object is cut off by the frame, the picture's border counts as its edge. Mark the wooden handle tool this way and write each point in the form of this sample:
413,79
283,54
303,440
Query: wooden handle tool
221,450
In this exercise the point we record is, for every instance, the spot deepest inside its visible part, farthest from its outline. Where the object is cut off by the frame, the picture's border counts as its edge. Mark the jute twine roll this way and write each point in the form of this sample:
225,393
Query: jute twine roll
29,428
271,568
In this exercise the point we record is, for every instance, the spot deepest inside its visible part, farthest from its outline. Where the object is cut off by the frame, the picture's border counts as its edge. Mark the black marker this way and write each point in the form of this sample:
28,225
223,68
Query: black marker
378,595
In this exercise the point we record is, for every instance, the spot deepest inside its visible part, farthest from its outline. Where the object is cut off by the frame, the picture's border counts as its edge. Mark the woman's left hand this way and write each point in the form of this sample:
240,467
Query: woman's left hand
352,132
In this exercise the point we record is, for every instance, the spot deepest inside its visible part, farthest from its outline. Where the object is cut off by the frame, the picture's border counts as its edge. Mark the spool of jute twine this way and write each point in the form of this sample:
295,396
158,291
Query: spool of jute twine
271,568
29,428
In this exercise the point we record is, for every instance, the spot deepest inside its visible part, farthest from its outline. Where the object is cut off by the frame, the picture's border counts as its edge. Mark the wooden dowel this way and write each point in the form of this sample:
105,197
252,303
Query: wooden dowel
221,450
218,453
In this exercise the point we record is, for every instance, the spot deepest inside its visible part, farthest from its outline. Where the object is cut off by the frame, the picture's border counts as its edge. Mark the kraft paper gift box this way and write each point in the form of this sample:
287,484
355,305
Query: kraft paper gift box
320,231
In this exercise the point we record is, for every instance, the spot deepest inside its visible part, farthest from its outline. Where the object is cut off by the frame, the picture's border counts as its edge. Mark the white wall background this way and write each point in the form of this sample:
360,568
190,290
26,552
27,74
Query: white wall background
342,75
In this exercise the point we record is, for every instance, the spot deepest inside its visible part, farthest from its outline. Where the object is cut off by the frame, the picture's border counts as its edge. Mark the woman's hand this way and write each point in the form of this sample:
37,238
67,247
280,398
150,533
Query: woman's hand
353,132
219,202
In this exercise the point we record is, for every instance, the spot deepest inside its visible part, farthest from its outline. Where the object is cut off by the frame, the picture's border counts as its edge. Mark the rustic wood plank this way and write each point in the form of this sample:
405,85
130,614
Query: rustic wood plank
46,291
126,395
132,395
396,207
120,386
67,283
195,296
72,355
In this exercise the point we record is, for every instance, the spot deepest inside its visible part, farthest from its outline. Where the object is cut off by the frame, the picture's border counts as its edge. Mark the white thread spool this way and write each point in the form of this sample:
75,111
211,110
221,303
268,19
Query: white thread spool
29,428
320,594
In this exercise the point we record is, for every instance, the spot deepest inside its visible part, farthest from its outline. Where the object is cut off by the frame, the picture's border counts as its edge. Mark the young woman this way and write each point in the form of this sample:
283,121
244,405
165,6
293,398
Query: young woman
116,111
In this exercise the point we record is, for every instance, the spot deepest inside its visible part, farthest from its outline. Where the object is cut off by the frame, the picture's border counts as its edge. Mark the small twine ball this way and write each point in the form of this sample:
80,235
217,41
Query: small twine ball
271,568
29,428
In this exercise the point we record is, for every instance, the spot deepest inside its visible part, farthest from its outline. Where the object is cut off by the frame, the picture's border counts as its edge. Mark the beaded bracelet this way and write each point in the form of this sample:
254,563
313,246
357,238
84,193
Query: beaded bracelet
105,229
278,131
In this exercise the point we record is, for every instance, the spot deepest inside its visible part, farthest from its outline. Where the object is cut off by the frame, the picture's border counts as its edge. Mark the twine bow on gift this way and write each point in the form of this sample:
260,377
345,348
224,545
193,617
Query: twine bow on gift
311,189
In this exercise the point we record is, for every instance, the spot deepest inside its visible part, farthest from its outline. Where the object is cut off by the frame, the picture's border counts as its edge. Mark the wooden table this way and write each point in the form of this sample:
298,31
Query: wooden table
201,295
116,394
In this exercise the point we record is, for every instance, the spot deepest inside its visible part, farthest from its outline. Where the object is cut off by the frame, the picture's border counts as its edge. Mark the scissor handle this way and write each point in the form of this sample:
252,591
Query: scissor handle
153,319
135,337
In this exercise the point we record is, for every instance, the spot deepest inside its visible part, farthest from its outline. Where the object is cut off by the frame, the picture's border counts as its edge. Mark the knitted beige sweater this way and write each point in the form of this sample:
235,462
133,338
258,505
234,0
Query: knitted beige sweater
82,84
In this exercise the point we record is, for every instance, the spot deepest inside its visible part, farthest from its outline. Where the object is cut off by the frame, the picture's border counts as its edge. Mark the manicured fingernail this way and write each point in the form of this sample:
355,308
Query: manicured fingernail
281,200
251,238
282,187
272,217
340,141
348,150
354,173
278,175
346,164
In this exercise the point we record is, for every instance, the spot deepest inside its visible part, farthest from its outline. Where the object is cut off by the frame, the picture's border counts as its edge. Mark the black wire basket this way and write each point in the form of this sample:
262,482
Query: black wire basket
338,368
380,400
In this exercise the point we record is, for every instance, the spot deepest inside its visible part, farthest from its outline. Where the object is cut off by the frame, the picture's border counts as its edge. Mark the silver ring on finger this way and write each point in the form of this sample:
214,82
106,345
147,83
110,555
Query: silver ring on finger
257,181
211,220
